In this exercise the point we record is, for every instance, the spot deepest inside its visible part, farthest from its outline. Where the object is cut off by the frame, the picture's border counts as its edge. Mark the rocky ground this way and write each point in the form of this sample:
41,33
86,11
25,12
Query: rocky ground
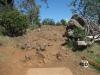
39,48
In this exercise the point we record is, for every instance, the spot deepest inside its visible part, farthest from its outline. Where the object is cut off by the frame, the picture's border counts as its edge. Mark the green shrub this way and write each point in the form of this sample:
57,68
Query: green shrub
79,33
48,21
13,23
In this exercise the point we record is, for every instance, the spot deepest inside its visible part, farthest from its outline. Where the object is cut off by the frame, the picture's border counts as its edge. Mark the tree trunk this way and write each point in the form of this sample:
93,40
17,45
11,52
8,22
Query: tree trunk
99,19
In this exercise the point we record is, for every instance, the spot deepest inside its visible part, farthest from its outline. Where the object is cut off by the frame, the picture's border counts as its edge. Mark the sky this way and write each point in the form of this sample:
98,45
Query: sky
58,9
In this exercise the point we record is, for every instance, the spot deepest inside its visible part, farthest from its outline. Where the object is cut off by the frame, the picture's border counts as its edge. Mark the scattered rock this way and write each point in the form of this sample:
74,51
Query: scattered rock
59,56
27,57
49,44
42,57
40,54
45,61
41,46
25,46
84,62
38,29
81,43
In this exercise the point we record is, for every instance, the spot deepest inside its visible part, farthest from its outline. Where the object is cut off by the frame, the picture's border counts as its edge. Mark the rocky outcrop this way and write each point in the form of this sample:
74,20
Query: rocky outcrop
91,30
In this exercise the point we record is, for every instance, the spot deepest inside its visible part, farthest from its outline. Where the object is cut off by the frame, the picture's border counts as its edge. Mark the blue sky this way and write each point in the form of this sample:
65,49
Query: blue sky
58,9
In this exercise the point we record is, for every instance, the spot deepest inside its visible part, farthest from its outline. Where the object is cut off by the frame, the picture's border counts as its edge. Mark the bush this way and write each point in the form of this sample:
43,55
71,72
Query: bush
79,33
48,21
13,23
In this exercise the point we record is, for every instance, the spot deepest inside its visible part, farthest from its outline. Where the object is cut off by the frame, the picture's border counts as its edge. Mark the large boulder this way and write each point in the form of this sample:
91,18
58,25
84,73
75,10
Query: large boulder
75,23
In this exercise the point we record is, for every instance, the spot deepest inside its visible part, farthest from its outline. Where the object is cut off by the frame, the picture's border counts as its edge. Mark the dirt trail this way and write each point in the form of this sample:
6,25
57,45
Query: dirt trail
49,71
39,49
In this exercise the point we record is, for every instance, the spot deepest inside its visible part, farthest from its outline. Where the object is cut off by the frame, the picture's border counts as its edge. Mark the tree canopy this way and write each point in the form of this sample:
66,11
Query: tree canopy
87,8
5,4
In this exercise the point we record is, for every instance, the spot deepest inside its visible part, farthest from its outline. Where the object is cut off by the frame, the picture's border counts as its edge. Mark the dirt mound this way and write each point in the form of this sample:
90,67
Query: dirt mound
45,44
39,48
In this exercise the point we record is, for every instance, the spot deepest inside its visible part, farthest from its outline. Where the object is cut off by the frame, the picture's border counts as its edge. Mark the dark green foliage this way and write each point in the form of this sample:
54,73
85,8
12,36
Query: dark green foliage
48,21
63,22
2,30
13,23
79,33
5,4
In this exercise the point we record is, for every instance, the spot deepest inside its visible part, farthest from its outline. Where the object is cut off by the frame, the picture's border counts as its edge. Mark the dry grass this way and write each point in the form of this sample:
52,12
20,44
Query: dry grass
5,41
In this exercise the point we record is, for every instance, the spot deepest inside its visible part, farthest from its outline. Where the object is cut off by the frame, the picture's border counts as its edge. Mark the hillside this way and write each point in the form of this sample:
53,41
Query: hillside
39,49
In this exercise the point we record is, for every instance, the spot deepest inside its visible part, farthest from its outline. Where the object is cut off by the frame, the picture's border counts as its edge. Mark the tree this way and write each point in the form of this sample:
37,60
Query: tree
32,10
58,23
63,22
48,21
6,4
12,21
29,6
88,8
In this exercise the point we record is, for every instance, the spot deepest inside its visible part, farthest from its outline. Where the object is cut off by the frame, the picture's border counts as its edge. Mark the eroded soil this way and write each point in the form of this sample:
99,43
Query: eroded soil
39,49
